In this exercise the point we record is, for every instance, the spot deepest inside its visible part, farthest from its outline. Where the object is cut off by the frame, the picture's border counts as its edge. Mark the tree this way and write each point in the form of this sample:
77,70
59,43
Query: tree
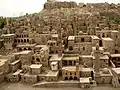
2,22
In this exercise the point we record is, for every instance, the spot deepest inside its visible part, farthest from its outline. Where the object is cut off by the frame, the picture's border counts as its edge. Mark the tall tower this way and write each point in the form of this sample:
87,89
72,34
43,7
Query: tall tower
97,60
59,42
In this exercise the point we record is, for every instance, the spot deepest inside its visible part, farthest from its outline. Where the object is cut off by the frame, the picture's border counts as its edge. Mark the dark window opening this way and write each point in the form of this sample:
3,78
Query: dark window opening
71,78
71,48
37,59
66,78
70,63
75,78
103,35
82,40
25,49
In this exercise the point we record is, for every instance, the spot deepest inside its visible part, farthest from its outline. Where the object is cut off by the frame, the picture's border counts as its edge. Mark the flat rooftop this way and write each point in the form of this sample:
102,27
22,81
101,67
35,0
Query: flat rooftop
2,61
73,68
86,69
114,31
54,63
84,80
69,68
52,41
71,37
36,66
17,72
105,57
55,57
40,46
26,45
52,73
94,37
115,55
70,58
107,39
116,70
54,35
25,52
7,35
86,56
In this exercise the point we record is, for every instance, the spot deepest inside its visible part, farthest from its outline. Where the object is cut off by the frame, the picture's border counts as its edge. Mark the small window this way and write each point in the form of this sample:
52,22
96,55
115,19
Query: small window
70,73
103,35
83,48
82,40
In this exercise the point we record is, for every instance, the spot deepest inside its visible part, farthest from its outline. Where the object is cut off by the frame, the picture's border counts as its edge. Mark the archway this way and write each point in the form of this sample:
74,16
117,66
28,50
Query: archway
82,39
71,78
18,40
25,49
66,78
29,49
25,40
20,49
21,40
37,59
75,78
71,48
103,35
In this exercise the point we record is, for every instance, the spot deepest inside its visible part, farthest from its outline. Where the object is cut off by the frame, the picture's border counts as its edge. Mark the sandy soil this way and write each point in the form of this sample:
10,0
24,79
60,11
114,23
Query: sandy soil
19,86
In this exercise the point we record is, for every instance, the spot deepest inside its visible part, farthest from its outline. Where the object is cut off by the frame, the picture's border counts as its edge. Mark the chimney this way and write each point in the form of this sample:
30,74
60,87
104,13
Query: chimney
59,43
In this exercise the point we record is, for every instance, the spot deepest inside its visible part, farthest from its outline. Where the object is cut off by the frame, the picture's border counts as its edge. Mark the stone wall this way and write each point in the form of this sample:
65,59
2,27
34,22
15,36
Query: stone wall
58,5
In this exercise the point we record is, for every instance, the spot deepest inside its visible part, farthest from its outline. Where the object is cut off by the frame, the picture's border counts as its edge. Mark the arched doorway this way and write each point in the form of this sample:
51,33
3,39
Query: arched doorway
66,78
37,60
92,75
18,40
71,48
103,35
75,78
71,78
25,40
21,40
20,49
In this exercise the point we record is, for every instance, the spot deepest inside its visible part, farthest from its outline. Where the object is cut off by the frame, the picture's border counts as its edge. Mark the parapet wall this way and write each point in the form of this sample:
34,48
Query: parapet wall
58,5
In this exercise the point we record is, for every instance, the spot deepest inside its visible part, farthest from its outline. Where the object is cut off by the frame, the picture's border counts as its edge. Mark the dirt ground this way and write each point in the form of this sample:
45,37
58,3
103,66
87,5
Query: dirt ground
19,86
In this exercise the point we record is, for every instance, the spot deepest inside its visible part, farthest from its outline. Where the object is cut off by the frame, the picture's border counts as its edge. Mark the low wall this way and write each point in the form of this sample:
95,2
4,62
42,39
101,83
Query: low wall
57,84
